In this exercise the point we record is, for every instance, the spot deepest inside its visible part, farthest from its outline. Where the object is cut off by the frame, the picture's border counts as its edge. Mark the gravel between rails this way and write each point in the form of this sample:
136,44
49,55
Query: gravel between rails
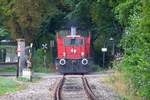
73,89
40,90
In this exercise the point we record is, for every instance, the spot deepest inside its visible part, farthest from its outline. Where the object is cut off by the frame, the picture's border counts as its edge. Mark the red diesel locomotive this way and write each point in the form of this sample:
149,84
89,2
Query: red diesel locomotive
73,52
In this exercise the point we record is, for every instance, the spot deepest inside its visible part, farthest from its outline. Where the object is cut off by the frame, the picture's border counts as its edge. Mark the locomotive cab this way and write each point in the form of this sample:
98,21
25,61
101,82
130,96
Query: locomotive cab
73,53
73,47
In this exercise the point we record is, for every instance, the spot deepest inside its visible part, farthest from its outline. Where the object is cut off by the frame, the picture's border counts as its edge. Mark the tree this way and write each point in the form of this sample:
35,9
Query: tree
5,11
28,19
106,24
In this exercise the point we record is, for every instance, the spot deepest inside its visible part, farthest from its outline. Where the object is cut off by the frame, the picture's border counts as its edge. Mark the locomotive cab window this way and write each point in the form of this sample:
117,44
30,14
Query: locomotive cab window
75,42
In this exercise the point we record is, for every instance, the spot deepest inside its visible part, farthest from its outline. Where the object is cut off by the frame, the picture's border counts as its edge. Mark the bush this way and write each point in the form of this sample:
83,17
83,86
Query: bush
136,44
8,69
38,61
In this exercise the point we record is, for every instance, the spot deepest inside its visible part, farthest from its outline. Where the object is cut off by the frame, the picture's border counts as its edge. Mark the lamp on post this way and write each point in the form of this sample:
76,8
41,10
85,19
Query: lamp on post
104,50
113,45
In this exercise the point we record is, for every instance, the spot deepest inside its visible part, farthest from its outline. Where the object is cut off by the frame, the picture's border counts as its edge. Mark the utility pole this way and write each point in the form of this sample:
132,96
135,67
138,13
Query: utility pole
44,46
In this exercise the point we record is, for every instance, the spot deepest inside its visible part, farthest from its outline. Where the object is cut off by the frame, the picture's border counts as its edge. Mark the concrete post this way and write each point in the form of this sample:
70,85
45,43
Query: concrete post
21,55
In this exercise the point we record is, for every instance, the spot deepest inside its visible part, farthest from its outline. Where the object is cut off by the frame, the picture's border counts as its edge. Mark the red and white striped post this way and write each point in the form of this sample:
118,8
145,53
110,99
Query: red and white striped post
21,55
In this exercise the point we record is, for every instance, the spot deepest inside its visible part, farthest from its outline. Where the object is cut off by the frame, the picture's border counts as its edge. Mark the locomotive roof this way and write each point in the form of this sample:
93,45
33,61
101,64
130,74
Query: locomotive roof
67,33
73,36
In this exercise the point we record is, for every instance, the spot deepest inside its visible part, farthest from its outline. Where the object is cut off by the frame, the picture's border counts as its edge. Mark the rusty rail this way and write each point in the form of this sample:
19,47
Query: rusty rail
87,88
57,95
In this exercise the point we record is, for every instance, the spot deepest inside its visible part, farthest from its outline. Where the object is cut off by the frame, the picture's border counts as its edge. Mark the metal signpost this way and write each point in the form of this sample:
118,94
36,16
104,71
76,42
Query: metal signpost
44,46
104,50
51,49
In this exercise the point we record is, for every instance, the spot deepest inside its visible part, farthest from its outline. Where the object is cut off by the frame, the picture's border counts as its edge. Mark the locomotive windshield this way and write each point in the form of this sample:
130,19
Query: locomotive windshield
75,42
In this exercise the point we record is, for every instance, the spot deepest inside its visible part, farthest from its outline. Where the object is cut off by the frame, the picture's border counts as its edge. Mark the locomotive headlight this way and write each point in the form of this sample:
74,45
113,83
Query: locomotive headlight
75,51
64,54
82,54
72,50
84,61
62,62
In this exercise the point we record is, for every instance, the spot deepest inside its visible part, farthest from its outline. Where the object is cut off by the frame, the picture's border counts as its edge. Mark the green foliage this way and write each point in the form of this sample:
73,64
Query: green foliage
124,9
6,7
79,15
97,68
27,19
98,44
5,11
3,32
38,58
42,69
38,61
8,69
106,24
136,61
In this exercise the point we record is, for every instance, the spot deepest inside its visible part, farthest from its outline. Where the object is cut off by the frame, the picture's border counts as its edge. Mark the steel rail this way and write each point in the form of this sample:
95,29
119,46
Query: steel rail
87,88
57,95
58,89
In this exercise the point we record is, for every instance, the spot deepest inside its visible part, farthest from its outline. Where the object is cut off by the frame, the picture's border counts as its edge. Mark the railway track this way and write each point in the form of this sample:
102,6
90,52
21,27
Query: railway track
74,88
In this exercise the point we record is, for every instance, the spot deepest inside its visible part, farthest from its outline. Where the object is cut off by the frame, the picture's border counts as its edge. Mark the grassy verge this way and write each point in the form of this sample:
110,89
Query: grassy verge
8,69
41,69
8,85
122,86
97,68
34,79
